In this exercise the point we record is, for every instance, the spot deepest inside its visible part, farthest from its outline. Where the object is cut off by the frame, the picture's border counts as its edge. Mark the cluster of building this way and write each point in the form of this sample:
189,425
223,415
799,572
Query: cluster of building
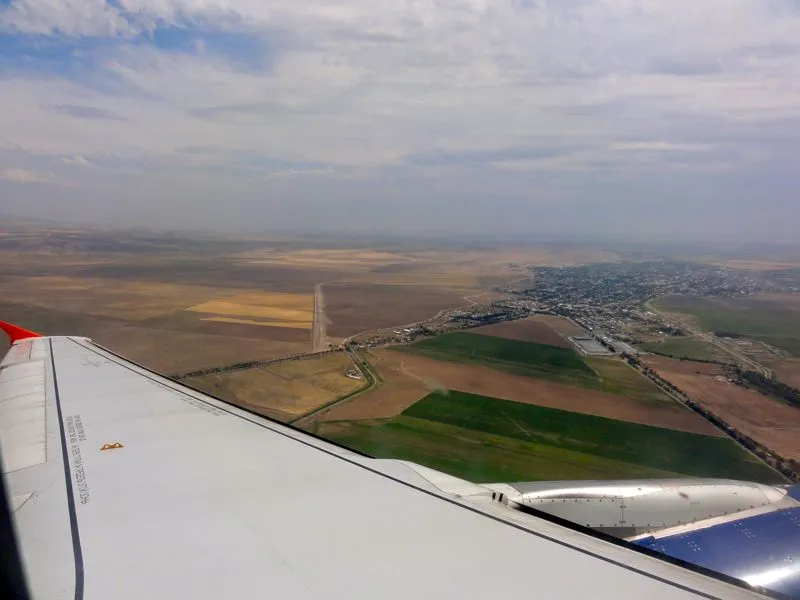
452,320
608,299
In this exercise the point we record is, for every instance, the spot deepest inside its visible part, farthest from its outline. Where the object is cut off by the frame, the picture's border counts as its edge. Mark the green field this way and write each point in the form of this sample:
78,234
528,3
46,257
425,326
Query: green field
525,358
474,455
619,378
522,358
487,439
761,318
689,348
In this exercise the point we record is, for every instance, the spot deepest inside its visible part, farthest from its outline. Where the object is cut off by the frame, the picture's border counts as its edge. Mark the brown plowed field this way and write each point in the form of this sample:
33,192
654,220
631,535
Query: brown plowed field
686,367
788,372
171,352
525,330
397,393
775,425
559,324
414,376
355,307
166,350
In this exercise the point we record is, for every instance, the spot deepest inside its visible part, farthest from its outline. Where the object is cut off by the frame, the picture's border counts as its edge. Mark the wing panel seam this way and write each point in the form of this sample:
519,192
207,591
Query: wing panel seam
73,517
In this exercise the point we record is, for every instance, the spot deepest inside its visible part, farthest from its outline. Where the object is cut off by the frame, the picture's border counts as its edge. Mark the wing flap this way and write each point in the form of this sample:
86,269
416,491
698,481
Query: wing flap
23,436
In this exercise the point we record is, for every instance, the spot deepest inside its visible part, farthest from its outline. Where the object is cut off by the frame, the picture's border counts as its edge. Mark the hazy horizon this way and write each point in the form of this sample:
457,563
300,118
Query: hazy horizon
629,120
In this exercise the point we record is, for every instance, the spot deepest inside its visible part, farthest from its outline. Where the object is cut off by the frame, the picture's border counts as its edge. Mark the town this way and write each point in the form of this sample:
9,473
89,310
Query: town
609,300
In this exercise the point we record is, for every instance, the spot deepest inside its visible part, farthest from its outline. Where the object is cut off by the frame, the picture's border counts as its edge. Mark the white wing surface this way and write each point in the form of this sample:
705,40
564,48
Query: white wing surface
124,484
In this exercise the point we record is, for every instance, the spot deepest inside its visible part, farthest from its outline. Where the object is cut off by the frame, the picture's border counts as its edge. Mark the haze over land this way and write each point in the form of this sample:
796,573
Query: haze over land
366,343
627,119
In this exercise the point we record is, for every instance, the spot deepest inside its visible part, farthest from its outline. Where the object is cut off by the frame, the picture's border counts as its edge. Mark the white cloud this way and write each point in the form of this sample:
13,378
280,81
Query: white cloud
658,146
24,176
366,87
67,17
303,172
78,161
368,84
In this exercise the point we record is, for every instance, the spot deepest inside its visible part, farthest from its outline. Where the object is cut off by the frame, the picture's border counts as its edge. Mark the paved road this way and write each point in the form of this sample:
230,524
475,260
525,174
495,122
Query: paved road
319,341
713,339
750,362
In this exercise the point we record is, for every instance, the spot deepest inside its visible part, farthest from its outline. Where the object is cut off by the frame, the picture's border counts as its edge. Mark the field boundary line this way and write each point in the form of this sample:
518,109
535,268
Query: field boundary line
244,366
371,380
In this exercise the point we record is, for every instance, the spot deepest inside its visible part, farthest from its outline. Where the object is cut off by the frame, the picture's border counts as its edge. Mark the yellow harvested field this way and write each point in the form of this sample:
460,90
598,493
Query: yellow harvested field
331,258
289,324
283,308
98,296
288,388
258,299
222,307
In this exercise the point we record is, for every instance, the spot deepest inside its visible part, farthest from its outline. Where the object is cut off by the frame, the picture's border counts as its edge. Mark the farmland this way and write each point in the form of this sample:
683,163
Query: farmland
774,319
525,330
176,304
167,348
564,327
409,377
688,367
557,443
399,389
618,378
507,355
272,310
788,372
689,348
125,299
285,389
352,308
475,455
180,303
764,419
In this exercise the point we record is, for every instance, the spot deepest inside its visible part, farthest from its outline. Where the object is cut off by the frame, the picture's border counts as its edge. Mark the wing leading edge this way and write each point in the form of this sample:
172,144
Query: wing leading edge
124,484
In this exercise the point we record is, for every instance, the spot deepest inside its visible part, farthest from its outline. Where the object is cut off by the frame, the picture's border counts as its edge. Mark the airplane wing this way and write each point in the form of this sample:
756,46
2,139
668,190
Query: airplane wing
124,484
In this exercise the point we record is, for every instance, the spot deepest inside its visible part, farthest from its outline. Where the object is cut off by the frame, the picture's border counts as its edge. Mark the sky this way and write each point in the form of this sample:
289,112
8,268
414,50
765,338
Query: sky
620,119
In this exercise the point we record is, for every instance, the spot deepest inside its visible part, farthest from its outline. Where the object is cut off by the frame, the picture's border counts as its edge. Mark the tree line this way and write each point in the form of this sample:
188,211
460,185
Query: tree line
767,386
789,468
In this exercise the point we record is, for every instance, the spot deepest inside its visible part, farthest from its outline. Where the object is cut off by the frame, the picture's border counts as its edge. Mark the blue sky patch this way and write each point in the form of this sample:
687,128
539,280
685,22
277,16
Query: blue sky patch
48,54
244,50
